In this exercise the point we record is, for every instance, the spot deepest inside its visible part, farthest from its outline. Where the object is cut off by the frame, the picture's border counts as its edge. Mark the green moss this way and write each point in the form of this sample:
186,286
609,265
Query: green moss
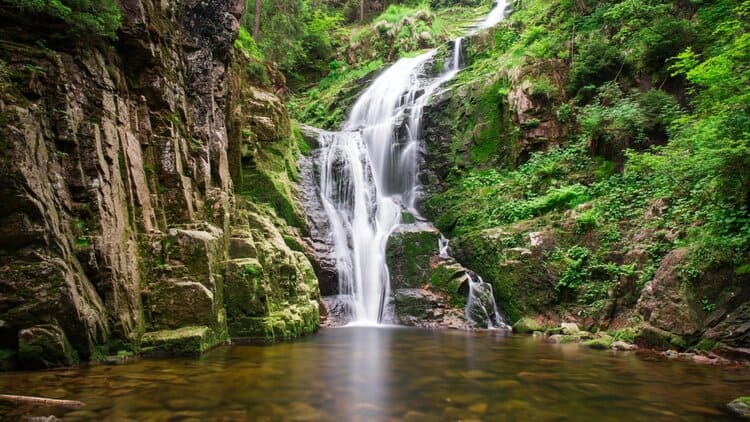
526,326
182,341
448,278
408,254
601,343
627,334
705,345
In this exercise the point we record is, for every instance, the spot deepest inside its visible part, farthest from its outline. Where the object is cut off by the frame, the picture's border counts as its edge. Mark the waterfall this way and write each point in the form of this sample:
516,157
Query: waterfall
481,308
368,176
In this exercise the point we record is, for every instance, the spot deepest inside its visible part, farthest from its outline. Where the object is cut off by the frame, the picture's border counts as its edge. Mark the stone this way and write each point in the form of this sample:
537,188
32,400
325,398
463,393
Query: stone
600,343
570,328
336,311
623,346
182,341
408,254
655,338
174,303
45,346
740,406
526,326
663,304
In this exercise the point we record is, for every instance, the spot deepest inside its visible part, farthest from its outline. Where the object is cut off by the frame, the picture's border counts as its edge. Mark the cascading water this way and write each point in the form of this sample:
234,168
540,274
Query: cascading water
368,175
481,308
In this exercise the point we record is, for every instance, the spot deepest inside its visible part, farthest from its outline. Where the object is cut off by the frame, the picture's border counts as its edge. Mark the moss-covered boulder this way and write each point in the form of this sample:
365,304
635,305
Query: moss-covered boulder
601,343
192,340
45,346
185,285
656,338
274,294
526,326
408,254
740,406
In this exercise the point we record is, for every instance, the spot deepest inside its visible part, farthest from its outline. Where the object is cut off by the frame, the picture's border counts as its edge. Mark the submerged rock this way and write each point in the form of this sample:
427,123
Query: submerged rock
740,406
623,346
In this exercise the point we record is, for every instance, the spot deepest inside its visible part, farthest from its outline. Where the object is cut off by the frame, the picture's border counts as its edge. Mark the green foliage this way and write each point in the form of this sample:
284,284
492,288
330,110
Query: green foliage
627,335
83,17
246,45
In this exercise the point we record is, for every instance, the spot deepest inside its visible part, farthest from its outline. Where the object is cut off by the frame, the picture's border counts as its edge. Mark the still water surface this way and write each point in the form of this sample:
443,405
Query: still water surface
372,374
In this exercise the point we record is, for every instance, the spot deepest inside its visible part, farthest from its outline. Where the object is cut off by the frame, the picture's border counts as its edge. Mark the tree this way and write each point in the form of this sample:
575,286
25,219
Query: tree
256,20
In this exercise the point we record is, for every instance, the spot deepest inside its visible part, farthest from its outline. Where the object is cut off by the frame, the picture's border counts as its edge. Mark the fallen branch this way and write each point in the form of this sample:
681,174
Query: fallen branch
42,401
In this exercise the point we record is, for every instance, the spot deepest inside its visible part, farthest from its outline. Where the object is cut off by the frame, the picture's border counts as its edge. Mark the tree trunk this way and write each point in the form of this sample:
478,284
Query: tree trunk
361,10
256,20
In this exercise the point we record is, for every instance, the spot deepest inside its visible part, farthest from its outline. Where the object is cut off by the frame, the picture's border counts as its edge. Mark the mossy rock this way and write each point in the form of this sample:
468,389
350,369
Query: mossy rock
740,406
45,346
656,338
182,341
408,254
526,326
601,343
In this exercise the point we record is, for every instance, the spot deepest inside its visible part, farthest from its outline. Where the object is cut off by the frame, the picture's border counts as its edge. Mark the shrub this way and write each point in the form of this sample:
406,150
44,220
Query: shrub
99,17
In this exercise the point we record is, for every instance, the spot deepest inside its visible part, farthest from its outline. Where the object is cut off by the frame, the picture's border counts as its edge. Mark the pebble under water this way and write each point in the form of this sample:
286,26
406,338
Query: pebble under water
398,374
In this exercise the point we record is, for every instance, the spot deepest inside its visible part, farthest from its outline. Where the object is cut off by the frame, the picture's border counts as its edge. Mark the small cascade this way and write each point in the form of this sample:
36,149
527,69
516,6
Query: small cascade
443,247
481,308
368,175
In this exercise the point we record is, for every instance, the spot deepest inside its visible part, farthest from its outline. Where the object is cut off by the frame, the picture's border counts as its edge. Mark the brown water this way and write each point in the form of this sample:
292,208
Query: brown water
369,374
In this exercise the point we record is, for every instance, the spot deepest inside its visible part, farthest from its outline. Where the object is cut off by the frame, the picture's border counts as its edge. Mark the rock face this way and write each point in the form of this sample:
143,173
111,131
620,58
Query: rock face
427,290
118,168
715,306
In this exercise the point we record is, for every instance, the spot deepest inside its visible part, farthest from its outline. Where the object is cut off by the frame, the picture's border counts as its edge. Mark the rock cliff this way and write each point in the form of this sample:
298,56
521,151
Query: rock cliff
121,230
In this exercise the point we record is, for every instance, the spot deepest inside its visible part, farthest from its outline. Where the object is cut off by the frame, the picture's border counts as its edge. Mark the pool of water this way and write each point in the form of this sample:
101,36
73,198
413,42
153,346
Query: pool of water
361,373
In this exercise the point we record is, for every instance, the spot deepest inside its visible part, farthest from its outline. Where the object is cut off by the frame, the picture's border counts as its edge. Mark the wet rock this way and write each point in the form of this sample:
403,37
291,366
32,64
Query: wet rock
601,343
310,134
623,346
408,254
526,326
655,338
45,346
336,311
182,341
425,308
740,406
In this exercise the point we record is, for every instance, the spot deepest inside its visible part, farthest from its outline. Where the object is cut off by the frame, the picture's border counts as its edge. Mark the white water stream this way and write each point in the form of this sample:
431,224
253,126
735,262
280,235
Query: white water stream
368,174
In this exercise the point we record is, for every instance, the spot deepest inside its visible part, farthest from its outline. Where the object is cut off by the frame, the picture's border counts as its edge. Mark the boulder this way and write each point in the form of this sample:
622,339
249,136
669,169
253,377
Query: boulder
740,406
570,328
425,308
526,326
656,338
623,346
182,341
45,346
408,254
600,343
664,303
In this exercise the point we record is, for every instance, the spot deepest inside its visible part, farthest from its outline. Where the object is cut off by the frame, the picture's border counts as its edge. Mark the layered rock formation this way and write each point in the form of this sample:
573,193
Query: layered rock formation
118,166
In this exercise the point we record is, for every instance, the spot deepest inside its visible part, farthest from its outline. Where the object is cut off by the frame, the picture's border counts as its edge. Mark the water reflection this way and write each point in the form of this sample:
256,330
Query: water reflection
365,373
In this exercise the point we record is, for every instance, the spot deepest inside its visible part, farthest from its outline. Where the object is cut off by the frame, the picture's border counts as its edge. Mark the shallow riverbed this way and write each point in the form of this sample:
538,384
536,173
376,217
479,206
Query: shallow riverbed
350,374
